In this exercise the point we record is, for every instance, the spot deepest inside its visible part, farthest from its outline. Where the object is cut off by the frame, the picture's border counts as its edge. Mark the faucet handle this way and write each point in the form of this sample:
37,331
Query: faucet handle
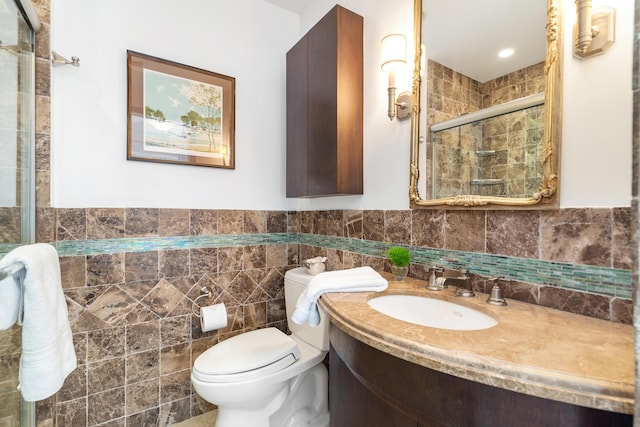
496,298
435,282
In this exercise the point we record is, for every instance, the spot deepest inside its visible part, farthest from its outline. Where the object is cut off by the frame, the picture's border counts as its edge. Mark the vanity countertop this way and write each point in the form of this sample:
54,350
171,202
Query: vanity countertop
534,350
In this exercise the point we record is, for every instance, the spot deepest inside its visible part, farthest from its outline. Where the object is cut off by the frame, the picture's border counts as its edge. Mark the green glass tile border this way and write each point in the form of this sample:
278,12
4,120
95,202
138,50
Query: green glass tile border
145,244
601,280
612,282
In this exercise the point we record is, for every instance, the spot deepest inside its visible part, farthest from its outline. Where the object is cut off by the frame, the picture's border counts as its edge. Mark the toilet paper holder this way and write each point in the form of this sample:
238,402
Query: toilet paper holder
205,291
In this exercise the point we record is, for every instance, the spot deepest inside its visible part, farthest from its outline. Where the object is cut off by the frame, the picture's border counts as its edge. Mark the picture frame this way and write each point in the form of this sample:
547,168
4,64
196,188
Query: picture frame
179,114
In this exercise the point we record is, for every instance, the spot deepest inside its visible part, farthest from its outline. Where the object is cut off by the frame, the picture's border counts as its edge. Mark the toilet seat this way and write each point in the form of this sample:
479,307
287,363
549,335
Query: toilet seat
246,356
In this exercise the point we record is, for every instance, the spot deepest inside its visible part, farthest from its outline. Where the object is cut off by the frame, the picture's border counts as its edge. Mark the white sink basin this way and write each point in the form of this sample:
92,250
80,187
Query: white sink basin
431,312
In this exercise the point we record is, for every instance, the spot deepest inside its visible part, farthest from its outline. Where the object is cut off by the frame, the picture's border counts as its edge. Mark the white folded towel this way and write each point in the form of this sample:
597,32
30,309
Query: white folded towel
360,279
11,294
48,355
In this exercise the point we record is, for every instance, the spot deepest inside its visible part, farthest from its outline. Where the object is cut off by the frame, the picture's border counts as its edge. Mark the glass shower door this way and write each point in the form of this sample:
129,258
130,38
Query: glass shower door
16,184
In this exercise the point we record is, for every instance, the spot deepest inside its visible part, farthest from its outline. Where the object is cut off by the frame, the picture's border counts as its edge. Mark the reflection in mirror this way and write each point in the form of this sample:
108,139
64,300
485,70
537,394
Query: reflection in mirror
490,129
496,156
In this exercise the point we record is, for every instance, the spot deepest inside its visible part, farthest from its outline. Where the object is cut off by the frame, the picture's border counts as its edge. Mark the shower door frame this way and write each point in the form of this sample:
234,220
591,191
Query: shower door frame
26,27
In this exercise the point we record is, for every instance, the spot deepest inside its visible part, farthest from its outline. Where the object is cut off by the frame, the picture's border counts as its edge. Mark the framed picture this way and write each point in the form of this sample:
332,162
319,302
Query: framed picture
179,114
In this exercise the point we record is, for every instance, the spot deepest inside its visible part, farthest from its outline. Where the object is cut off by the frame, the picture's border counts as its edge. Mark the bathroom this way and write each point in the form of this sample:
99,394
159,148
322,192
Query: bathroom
130,310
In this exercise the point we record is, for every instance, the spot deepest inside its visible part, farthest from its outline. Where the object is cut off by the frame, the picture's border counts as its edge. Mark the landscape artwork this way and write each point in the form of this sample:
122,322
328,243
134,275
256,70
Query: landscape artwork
179,114
182,116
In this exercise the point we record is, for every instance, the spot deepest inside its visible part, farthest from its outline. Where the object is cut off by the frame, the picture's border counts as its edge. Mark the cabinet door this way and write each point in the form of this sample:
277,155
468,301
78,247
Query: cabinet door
352,404
324,108
369,387
323,98
297,114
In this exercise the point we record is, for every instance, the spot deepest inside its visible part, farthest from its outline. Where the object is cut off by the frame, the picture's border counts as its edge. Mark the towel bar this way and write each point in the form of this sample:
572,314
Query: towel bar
10,270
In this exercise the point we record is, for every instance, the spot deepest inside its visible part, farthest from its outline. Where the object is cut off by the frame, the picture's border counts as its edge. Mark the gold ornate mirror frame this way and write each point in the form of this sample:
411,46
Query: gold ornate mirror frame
547,195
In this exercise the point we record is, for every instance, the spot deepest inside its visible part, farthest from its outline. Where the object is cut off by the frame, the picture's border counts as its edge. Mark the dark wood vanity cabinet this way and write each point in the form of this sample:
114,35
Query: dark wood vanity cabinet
371,388
325,108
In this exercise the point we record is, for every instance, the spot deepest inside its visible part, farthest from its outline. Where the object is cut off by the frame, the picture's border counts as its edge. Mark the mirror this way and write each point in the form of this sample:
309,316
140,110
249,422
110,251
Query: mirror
459,157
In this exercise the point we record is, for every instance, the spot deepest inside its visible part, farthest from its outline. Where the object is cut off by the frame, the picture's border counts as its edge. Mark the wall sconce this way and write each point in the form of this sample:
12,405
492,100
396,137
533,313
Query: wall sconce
594,31
394,57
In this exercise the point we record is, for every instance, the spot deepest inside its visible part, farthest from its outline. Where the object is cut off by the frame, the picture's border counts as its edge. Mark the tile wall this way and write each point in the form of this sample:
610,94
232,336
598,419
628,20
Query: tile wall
575,260
452,94
130,280
130,277
498,156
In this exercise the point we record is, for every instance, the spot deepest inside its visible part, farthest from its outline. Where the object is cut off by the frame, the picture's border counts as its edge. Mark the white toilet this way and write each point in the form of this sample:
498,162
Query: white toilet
265,378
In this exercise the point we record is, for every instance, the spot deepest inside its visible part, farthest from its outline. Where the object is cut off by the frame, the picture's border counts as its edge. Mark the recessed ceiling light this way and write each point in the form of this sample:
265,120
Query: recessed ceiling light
505,53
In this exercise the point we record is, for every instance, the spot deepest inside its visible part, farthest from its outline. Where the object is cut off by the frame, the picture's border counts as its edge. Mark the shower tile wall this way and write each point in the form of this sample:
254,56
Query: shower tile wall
451,94
520,83
514,137
130,310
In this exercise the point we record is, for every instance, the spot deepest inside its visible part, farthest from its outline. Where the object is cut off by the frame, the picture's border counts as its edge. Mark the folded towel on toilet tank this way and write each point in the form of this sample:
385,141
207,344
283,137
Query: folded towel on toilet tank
360,279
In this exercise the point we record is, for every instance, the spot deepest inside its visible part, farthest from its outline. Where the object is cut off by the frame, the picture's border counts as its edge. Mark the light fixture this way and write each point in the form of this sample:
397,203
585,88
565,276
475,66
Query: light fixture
505,53
394,57
594,31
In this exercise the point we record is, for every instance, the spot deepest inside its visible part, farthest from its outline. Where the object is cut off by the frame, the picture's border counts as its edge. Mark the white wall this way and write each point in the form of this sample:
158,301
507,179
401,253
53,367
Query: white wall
597,117
248,39
89,103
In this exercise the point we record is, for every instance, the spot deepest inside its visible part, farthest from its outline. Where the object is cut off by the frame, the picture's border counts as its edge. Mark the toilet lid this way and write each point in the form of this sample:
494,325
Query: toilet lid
246,356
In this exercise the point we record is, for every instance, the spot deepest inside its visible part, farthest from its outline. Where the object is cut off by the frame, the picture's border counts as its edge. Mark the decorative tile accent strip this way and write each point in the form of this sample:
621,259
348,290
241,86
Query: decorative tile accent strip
144,244
601,280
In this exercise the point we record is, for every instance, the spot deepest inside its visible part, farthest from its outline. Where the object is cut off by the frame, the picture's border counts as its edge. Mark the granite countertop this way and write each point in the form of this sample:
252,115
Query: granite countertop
533,350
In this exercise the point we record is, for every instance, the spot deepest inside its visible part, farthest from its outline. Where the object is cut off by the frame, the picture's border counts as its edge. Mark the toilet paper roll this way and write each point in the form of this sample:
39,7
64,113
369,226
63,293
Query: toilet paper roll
213,317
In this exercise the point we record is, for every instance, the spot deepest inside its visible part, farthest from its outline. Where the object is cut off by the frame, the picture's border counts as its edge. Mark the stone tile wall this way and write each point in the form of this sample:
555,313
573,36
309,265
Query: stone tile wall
589,237
131,309
517,84
130,276
514,137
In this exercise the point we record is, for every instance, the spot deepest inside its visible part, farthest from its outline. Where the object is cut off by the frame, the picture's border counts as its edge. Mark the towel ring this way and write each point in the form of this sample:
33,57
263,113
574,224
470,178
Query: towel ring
205,292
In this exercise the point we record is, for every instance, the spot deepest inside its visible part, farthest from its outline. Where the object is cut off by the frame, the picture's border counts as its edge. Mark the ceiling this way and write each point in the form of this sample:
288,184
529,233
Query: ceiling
295,6
466,35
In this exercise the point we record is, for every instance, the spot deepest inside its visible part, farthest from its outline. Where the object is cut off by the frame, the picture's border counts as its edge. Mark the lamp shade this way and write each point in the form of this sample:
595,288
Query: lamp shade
393,51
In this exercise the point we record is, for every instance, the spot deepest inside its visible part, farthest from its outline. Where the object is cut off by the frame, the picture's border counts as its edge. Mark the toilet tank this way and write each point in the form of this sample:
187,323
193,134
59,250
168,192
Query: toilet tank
295,282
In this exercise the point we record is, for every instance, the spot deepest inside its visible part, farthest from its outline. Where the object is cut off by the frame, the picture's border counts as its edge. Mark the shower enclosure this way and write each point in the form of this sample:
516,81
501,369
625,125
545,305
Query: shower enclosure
498,155
17,207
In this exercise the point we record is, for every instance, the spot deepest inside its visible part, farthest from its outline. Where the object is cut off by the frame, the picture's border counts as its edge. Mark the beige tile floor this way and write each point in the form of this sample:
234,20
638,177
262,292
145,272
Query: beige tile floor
204,420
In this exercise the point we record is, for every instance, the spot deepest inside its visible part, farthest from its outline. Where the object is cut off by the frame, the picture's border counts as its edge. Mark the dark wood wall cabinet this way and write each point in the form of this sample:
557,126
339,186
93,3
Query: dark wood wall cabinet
325,108
371,388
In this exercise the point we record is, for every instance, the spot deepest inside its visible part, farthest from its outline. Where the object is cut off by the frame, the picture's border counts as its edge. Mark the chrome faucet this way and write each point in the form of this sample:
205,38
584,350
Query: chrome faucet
436,283
462,284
